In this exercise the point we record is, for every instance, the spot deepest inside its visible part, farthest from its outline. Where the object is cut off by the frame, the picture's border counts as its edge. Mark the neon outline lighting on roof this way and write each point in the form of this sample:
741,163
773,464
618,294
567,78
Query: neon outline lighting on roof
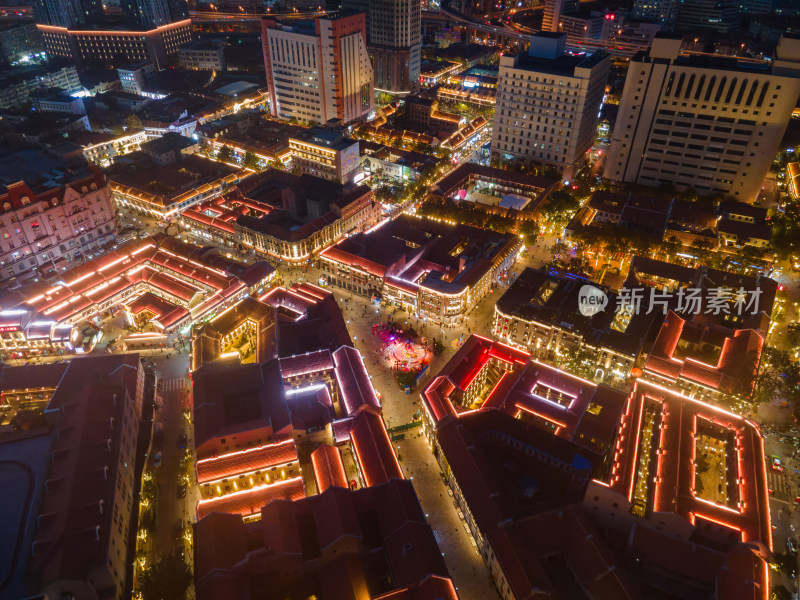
309,388
572,398
251,490
524,408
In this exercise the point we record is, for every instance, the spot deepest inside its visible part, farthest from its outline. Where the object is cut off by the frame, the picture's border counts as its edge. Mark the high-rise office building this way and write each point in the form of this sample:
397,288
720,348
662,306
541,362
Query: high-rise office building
318,71
708,123
663,12
719,15
154,13
68,13
756,7
548,104
553,9
394,40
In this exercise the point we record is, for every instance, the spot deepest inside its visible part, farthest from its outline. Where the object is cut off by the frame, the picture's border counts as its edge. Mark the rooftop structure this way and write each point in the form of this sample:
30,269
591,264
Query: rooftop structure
326,153
727,227
501,426
138,182
257,423
490,376
372,543
497,181
556,553
179,274
282,215
678,502
540,312
95,411
394,163
704,356
692,479
436,270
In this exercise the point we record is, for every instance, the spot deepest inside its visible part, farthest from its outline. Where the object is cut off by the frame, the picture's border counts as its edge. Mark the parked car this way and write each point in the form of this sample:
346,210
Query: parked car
181,490
157,459
182,440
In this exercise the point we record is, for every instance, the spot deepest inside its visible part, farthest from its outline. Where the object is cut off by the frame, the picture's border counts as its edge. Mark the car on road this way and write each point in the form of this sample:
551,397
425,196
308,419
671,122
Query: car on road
777,465
791,545
157,459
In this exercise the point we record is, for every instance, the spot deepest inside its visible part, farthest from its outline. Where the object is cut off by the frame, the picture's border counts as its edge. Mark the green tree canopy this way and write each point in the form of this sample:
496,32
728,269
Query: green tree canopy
250,160
225,154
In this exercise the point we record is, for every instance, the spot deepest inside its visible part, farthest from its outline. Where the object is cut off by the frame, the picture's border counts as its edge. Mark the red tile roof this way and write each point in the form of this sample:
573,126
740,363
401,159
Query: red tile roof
674,491
90,406
523,547
354,382
158,263
245,461
328,467
250,501
337,254
373,449
165,313
432,587
734,370
305,364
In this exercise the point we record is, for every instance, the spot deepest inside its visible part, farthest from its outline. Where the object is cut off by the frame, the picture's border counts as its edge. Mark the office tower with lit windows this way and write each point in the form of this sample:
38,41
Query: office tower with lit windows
553,9
663,12
756,7
68,13
548,103
148,14
394,39
717,15
318,71
703,122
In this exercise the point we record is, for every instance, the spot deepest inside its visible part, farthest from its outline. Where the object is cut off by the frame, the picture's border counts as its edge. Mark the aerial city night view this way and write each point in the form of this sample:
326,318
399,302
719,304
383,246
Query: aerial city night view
399,299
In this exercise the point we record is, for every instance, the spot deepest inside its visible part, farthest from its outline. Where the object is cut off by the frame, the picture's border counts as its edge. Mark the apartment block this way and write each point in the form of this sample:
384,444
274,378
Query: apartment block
326,153
44,231
708,123
547,104
208,55
318,71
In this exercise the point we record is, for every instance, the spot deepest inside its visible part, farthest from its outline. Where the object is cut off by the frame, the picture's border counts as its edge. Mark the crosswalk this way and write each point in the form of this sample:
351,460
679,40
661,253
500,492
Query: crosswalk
174,384
779,483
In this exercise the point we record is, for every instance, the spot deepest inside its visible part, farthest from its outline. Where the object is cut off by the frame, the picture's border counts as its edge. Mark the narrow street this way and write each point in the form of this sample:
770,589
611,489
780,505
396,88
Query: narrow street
466,566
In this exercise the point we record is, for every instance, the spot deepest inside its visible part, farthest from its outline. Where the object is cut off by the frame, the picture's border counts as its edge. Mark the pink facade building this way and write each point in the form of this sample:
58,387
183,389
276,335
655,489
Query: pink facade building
46,231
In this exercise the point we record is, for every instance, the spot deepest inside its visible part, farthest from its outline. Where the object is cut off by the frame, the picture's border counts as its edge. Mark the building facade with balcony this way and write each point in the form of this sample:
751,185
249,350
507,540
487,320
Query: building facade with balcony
43,232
